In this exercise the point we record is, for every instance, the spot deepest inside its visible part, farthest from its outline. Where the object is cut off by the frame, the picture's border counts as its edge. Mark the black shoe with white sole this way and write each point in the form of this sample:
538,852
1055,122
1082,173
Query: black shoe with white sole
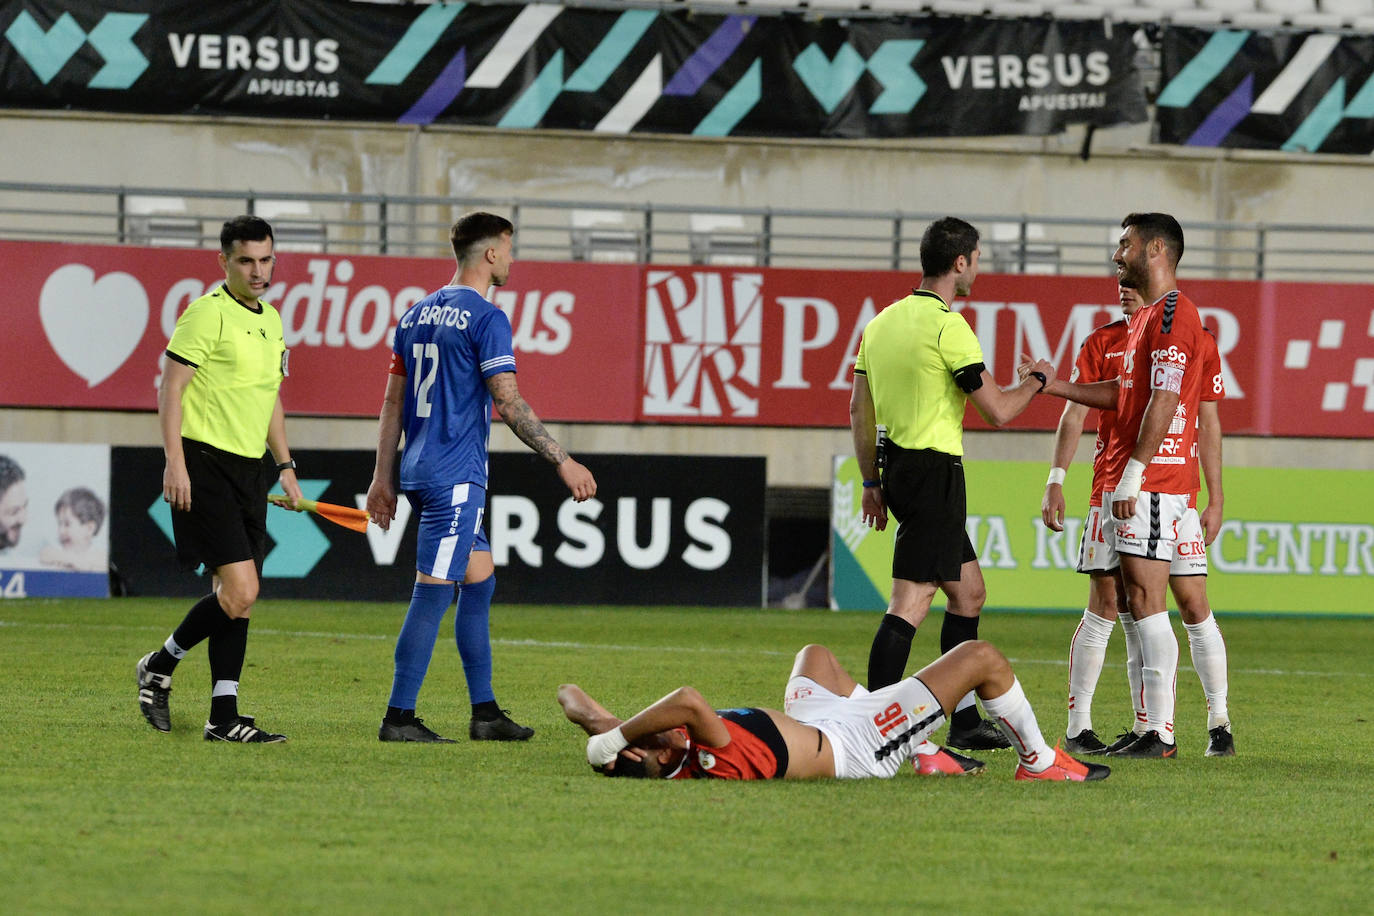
241,730
153,692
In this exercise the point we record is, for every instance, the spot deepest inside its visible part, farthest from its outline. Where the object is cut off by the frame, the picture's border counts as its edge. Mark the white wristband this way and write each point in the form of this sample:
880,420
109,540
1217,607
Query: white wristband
1129,485
603,748
1056,476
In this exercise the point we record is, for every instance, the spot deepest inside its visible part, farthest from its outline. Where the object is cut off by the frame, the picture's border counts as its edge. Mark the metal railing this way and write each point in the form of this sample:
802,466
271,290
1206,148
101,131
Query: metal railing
559,230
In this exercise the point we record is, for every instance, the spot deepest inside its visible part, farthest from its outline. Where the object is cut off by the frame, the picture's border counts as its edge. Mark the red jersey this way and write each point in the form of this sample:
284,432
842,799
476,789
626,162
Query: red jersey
755,750
1099,359
1166,349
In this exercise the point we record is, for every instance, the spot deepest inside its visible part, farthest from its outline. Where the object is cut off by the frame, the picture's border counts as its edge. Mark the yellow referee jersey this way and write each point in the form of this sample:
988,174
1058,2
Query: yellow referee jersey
909,353
240,359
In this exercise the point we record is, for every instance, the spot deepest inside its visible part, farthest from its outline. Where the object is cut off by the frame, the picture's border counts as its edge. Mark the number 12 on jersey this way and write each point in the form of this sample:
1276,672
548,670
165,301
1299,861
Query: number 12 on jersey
422,380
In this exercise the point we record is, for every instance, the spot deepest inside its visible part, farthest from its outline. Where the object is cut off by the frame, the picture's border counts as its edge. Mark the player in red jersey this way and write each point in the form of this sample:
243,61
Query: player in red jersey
1099,359
1150,459
830,725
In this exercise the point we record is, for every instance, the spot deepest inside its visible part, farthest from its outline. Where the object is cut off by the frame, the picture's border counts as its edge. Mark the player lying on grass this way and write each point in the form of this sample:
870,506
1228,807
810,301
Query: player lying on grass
830,726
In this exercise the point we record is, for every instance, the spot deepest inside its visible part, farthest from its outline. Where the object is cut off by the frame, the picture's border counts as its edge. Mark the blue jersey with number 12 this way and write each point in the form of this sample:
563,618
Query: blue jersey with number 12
450,343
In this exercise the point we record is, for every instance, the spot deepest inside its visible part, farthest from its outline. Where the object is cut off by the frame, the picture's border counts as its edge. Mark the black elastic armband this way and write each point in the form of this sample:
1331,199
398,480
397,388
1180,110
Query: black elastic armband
970,378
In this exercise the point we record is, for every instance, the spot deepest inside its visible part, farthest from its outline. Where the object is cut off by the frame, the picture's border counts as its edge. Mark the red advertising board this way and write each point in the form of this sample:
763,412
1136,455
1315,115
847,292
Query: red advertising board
618,343
87,326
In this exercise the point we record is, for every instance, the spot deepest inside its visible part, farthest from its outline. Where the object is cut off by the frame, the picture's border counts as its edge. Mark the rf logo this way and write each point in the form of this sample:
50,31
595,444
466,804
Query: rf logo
47,52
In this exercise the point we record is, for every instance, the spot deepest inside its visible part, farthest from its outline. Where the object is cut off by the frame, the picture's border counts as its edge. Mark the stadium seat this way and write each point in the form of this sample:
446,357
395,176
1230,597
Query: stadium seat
722,238
1256,20
1318,21
1165,7
606,236
899,7
1017,9
1078,11
1202,16
1229,7
837,6
958,7
160,222
1287,8
1351,9
294,227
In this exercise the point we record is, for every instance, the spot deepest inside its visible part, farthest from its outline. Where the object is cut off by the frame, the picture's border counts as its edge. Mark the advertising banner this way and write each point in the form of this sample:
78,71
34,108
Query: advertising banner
626,343
1283,548
89,324
662,530
1298,92
554,67
54,520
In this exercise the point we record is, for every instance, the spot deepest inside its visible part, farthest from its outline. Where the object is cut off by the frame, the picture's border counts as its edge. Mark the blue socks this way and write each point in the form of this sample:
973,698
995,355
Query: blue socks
415,645
472,632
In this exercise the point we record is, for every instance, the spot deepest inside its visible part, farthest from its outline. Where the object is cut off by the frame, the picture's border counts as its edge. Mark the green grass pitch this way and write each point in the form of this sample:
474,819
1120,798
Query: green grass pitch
102,814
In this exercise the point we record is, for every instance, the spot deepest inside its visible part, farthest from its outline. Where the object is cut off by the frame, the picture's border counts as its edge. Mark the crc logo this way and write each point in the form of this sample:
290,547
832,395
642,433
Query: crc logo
702,343
47,52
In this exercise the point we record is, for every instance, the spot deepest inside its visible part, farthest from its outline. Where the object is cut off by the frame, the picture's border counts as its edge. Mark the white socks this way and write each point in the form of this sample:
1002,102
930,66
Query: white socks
225,689
1087,651
1158,671
927,747
177,652
1013,714
1133,671
1209,660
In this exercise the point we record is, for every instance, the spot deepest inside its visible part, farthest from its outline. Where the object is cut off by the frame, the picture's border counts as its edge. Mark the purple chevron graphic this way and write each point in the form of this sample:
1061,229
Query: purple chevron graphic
440,93
1224,118
713,52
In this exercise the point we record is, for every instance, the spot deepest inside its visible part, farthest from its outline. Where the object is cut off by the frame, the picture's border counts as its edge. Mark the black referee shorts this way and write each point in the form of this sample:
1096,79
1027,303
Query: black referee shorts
227,522
924,490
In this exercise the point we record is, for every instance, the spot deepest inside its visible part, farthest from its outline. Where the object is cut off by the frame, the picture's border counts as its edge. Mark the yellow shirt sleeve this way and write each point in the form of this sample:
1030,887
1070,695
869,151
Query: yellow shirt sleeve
196,332
860,361
958,344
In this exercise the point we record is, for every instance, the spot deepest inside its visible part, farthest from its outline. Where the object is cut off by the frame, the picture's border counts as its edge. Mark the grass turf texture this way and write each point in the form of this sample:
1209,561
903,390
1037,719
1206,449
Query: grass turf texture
101,813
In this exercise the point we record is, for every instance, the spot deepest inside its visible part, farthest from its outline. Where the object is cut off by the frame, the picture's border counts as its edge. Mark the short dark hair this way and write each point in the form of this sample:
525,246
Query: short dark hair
474,228
943,242
84,504
243,229
10,473
1158,226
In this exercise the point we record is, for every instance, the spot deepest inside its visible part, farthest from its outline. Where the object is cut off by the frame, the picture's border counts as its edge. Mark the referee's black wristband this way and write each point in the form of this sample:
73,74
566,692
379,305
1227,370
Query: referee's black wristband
286,466
1043,379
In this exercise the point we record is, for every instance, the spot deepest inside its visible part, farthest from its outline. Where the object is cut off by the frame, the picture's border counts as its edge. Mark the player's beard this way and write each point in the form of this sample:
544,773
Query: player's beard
1133,275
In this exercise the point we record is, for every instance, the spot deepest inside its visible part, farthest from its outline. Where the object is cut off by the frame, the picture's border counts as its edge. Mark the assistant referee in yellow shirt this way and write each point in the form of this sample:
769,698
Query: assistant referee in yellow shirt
218,404
918,364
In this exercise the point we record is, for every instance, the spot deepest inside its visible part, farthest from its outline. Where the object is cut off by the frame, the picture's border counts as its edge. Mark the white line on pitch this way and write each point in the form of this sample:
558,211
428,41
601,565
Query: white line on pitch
615,647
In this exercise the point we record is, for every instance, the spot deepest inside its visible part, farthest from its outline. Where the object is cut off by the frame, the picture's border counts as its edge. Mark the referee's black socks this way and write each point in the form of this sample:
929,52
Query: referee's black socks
891,648
203,620
954,630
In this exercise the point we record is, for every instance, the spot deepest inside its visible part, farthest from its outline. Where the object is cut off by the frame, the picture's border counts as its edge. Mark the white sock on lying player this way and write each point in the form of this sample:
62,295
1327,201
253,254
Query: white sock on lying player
1087,652
1013,714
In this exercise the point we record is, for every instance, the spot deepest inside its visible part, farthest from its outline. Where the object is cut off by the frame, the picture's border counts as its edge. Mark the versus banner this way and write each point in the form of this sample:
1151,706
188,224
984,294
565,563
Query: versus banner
1285,549
663,530
624,343
1299,92
547,66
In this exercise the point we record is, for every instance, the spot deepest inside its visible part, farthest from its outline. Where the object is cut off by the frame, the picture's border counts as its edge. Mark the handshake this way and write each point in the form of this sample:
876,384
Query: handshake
1041,370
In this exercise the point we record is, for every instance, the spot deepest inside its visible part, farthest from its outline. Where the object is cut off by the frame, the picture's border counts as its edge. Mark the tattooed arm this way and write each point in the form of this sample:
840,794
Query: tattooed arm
520,417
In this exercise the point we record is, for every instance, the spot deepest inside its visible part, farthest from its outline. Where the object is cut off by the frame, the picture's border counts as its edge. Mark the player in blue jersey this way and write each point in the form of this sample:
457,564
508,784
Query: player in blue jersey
452,359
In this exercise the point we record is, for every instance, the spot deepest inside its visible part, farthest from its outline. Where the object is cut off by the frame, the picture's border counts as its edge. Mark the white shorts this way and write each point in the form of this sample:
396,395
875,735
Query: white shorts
1159,530
872,733
1096,554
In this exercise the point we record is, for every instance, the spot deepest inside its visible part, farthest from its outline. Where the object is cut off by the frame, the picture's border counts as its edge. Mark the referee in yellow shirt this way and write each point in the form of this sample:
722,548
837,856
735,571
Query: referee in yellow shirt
218,404
918,364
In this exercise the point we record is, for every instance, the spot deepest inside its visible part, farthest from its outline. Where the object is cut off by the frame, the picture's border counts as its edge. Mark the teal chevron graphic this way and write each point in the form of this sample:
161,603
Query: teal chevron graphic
829,80
1324,117
891,66
422,35
113,39
1362,105
299,543
46,52
1223,45
529,109
734,105
612,50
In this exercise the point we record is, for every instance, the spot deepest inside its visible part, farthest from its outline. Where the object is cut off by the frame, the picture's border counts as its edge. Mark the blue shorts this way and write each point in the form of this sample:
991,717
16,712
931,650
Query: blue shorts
450,528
